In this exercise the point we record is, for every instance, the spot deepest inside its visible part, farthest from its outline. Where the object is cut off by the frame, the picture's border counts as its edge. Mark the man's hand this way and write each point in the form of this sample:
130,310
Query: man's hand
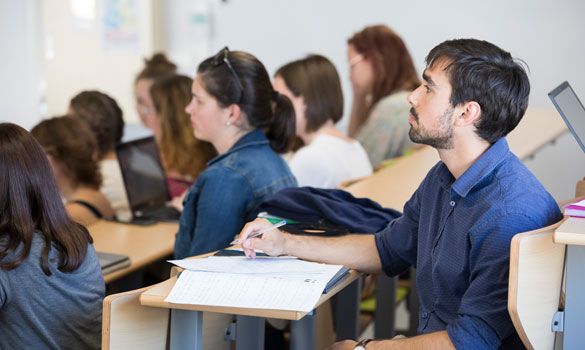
343,345
271,243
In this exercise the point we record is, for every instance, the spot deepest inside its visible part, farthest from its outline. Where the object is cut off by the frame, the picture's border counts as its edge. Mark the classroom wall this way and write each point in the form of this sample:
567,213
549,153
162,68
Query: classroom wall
21,90
49,47
547,35
80,57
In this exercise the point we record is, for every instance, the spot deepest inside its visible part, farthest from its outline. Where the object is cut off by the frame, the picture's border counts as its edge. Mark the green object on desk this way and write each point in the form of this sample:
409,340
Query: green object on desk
275,219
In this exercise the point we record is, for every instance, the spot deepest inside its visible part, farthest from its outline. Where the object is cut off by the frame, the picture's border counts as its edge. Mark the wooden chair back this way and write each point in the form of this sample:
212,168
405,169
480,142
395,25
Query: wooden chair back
535,285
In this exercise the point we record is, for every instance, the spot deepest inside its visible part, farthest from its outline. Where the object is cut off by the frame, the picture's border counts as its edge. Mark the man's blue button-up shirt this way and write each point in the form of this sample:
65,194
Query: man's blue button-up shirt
457,232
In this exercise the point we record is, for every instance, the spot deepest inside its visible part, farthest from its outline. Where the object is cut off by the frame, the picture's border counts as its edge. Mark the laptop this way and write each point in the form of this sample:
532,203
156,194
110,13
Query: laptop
111,262
571,109
145,181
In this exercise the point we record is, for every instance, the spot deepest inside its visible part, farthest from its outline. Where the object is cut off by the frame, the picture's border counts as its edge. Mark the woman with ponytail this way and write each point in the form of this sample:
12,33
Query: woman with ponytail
235,108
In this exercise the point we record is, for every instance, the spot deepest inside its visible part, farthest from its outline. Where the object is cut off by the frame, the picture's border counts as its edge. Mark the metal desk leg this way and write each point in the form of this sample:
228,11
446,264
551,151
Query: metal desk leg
347,311
186,329
250,333
303,333
385,307
574,337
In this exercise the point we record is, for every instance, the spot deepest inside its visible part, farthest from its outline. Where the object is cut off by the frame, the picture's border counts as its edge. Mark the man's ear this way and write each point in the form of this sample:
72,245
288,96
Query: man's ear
468,113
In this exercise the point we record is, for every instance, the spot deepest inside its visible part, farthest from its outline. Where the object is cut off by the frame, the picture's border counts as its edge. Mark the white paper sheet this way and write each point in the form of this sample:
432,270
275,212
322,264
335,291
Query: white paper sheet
261,265
262,283
247,290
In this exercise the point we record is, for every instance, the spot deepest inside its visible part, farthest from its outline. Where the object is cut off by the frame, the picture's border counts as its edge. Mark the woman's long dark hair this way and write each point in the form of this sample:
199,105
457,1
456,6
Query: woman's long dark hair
30,202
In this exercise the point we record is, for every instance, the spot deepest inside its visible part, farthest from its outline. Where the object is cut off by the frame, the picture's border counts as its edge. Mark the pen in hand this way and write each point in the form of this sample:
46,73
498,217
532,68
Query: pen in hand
261,232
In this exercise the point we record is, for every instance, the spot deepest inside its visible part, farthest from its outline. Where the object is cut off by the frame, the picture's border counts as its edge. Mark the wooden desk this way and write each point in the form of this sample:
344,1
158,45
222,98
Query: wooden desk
143,244
572,233
186,319
394,185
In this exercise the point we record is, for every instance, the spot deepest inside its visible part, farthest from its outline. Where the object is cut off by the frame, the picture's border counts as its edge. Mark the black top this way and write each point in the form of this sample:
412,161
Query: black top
89,206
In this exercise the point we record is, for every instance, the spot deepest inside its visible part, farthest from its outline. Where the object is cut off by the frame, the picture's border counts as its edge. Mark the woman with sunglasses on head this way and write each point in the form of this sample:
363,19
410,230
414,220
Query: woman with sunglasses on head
51,284
382,75
235,108
328,157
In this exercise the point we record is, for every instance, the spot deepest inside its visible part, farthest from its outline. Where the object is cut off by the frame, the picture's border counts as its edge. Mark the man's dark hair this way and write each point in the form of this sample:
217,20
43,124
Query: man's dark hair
482,72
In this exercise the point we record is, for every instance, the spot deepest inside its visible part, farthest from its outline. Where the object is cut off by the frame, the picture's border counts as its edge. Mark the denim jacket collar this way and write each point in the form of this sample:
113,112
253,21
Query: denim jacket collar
253,138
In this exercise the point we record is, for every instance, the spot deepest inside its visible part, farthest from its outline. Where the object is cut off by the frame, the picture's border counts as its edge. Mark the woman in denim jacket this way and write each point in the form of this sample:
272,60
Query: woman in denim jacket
235,108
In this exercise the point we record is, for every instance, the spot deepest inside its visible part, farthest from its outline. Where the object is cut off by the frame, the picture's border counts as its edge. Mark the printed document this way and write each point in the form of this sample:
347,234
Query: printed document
262,283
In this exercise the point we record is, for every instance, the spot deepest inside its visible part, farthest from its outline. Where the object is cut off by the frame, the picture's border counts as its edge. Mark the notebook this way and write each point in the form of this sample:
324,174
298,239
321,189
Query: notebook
112,262
571,109
145,181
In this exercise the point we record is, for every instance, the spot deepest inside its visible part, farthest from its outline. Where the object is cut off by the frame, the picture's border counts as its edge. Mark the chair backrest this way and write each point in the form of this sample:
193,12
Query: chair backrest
535,284
126,324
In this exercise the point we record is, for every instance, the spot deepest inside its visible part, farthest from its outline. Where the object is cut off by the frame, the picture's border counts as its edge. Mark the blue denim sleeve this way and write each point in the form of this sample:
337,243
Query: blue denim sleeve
2,290
397,242
217,210
484,321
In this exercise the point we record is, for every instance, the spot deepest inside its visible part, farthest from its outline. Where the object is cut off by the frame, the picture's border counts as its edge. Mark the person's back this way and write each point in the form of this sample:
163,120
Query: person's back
51,286
328,161
62,311
328,157
105,119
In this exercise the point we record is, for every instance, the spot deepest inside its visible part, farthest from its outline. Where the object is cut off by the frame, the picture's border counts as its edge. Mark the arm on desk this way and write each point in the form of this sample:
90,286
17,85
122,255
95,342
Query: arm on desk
358,252
432,341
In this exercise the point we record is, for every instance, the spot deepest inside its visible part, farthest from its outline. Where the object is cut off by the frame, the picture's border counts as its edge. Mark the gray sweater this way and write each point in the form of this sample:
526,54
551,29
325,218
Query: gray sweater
61,311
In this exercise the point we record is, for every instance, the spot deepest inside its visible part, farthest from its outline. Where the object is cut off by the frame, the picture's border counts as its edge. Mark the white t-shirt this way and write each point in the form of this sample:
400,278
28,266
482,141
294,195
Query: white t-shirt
113,188
328,160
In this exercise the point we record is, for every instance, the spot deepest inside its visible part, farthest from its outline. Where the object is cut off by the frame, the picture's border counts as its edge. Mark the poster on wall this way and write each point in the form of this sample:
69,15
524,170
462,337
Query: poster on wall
121,26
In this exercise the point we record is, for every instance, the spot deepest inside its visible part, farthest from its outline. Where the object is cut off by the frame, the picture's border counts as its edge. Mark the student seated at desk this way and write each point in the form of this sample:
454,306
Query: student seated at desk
236,109
329,157
72,153
104,118
382,75
156,67
457,226
183,156
51,285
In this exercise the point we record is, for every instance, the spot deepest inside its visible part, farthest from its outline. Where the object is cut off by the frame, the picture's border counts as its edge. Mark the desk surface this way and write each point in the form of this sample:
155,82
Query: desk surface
156,295
571,231
143,244
393,186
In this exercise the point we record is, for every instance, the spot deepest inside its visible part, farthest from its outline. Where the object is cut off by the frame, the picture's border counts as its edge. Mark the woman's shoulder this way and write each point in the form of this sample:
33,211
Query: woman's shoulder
396,100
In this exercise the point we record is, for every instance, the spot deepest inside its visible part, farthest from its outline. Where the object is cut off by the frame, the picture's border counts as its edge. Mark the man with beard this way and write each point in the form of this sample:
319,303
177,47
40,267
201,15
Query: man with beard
457,227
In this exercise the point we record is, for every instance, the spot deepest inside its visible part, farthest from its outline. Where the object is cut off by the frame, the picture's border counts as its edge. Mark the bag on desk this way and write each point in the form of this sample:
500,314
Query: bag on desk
329,209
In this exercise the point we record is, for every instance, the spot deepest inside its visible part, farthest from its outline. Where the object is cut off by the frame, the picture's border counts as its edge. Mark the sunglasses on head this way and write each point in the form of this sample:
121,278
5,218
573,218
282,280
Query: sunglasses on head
223,57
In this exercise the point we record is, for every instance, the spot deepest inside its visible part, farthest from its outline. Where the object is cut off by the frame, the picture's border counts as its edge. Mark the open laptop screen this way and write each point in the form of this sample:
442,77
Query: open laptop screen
143,174
571,109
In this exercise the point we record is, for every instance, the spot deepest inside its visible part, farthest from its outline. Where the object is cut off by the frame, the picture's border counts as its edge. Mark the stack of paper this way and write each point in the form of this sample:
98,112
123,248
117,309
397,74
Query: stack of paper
262,283
576,209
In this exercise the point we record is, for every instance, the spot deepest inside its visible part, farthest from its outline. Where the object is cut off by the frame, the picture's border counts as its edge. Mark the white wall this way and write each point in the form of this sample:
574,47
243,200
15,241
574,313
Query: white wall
79,60
548,35
20,65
